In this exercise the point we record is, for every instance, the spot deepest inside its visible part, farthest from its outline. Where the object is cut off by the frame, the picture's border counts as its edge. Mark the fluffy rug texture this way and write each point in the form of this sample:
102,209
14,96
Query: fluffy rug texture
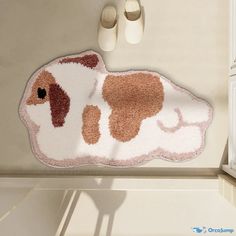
78,113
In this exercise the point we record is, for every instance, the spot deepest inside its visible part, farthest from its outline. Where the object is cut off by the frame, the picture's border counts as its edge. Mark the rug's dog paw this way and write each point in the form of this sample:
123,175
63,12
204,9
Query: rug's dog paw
78,113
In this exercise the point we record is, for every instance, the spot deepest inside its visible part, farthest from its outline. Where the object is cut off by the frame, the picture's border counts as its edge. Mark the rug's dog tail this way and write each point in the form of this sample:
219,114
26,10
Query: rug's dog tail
173,128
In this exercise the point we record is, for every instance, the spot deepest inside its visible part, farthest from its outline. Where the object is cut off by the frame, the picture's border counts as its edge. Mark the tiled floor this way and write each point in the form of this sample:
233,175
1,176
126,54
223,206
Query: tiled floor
185,40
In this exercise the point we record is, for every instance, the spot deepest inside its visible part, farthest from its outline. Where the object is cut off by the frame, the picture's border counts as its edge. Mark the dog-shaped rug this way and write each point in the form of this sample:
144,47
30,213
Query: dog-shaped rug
79,113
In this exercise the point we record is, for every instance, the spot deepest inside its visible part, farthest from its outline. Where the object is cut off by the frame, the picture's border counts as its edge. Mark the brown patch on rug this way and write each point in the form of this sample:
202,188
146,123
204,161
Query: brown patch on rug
132,98
59,104
40,89
88,60
90,130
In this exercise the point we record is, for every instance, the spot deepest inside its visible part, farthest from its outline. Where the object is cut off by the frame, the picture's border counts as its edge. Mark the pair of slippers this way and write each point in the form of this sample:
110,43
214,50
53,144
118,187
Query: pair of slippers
107,32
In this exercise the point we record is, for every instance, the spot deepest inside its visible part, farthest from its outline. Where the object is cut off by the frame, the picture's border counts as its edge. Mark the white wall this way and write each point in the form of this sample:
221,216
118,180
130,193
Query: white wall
26,212
165,213
112,206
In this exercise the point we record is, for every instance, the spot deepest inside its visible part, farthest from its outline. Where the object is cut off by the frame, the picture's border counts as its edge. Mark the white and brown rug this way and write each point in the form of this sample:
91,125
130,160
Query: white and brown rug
79,113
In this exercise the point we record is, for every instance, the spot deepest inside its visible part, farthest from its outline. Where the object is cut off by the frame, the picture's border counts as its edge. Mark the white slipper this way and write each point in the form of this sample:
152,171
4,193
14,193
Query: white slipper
134,21
107,32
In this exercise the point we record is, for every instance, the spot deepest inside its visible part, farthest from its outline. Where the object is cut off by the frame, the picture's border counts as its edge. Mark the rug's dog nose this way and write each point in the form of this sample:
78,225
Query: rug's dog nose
41,93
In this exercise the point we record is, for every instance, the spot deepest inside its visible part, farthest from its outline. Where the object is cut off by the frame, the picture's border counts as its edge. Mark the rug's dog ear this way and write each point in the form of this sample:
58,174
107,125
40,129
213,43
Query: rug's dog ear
59,104
88,59
46,89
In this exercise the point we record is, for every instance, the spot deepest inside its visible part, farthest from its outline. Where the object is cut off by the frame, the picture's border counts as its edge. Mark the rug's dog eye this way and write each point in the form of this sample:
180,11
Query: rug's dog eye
41,93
